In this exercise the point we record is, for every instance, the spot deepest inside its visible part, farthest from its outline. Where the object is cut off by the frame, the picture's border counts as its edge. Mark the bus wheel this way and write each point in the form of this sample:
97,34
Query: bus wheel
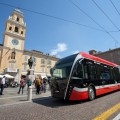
91,93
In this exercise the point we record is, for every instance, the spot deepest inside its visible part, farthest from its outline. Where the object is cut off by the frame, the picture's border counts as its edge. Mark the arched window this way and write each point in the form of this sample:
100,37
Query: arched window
16,29
21,32
10,28
17,19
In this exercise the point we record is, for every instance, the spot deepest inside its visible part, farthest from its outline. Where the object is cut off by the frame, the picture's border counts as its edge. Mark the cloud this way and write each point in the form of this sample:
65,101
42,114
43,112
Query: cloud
60,48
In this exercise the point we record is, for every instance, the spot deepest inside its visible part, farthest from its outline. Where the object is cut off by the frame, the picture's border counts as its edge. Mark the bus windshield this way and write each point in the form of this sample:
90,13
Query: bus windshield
62,71
63,67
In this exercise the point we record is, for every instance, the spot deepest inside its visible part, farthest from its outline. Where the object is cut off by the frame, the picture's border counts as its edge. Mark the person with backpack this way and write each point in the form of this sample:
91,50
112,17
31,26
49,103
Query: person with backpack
38,84
29,83
22,85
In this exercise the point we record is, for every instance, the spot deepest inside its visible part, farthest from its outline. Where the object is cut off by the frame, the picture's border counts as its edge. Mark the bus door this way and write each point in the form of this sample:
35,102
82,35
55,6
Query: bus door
77,74
76,78
84,74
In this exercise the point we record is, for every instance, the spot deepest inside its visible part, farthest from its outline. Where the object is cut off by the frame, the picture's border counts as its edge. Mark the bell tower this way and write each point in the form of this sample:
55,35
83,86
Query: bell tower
15,29
13,43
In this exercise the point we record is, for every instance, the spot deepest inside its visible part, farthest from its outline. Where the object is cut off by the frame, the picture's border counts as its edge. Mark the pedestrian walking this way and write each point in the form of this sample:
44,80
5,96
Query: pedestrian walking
29,83
22,85
38,84
2,83
49,80
34,84
44,84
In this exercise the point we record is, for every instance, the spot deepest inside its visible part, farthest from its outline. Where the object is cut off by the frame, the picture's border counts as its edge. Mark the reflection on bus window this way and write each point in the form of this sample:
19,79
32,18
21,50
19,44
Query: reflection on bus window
105,76
78,70
62,72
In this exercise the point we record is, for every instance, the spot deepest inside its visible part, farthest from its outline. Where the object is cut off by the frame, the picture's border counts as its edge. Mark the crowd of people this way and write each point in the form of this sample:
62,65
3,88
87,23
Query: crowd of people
39,83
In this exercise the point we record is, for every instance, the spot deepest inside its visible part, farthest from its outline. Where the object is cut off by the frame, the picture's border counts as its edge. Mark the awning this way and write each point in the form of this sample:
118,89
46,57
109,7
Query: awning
1,76
8,76
43,76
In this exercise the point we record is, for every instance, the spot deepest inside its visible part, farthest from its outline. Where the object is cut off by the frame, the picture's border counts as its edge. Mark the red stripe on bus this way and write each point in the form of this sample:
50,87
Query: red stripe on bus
107,89
75,95
82,95
97,59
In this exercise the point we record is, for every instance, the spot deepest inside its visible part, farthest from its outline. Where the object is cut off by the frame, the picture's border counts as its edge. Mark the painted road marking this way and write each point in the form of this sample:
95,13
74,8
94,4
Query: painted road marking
108,113
117,117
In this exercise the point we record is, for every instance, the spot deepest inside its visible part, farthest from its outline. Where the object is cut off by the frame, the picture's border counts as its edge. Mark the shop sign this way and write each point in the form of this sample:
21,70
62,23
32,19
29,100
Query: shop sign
11,69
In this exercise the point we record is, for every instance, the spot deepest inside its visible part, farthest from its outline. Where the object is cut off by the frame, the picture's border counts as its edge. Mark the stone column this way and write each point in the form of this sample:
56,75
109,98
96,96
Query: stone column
29,97
31,76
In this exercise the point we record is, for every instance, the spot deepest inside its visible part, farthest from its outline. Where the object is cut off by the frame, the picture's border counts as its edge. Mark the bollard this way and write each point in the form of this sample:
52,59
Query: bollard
29,97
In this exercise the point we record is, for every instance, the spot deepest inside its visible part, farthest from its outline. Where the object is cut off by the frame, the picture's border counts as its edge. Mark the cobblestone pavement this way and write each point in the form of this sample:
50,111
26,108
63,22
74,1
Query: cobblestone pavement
12,97
53,109
44,107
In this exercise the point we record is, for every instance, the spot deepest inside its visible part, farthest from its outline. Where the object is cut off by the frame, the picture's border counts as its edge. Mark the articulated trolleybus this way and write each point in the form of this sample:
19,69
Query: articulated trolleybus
82,76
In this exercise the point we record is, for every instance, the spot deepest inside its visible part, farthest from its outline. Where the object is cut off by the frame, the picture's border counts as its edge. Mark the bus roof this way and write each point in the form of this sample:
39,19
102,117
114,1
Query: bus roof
97,59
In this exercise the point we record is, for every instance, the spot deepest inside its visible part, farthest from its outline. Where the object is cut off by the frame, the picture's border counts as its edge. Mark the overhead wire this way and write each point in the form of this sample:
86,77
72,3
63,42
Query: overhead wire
62,19
54,17
116,11
105,15
115,7
107,32
87,15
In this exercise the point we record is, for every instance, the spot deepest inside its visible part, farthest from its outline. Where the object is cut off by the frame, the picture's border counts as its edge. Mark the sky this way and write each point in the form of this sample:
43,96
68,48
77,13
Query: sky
65,27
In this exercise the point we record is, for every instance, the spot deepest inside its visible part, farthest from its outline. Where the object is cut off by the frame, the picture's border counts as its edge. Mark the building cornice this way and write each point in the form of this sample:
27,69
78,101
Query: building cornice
18,12
16,23
14,35
39,54
7,48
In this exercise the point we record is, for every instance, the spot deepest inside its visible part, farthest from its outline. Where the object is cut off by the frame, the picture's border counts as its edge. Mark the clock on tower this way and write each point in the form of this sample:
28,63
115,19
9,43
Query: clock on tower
15,42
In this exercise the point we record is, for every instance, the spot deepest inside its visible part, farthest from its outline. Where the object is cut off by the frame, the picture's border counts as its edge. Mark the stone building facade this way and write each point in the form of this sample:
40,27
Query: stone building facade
14,58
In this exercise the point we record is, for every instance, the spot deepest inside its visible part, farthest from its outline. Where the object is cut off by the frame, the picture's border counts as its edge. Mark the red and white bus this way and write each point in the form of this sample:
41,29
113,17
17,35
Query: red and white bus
82,76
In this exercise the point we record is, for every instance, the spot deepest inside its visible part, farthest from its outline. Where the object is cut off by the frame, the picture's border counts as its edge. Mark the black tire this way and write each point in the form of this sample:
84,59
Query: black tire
91,93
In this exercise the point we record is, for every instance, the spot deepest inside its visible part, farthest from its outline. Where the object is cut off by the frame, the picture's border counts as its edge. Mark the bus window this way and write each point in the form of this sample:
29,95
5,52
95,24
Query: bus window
78,70
92,71
89,69
105,76
85,72
61,72
116,75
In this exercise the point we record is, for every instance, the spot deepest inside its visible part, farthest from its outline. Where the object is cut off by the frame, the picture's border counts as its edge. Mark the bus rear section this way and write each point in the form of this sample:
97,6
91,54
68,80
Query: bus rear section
82,76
